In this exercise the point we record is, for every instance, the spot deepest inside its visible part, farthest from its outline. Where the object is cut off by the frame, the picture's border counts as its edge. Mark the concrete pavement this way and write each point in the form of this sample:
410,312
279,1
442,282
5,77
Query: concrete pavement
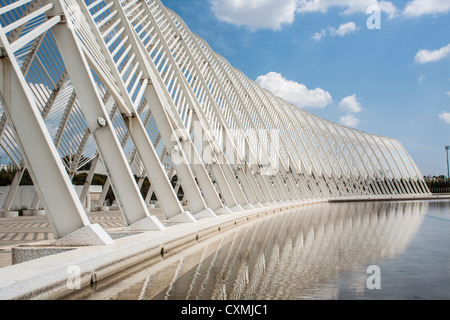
21,230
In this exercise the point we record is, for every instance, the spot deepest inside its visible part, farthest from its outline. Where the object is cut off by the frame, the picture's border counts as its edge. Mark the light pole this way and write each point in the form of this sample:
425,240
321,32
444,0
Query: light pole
448,171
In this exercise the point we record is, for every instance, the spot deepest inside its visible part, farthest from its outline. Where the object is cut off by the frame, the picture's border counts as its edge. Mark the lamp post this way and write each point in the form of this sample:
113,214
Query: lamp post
448,171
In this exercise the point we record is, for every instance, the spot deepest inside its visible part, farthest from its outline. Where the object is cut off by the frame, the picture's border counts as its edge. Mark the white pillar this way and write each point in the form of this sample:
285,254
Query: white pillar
64,209
125,188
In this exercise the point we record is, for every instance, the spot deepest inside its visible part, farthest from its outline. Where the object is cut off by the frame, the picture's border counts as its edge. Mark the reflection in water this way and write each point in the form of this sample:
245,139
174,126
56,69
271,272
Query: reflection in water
440,209
284,256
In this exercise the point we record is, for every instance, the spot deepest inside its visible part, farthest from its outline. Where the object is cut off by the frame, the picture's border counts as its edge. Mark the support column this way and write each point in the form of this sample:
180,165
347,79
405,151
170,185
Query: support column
249,191
216,168
6,207
304,189
269,187
293,187
128,195
254,185
64,209
232,182
162,186
278,187
87,183
169,202
105,190
198,203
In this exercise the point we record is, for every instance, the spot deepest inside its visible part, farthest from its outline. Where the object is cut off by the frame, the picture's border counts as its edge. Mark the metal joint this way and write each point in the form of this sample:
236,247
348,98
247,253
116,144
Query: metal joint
102,122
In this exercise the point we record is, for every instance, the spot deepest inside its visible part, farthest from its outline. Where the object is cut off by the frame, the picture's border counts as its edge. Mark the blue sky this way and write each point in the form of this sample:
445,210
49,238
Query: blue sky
392,79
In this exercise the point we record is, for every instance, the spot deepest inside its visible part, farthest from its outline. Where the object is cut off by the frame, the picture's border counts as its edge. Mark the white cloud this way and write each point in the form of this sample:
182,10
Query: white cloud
350,6
448,93
346,28
417,8
425,56
256,14
349,121
421,78
294,92
445,116
319,35
350,104
269,14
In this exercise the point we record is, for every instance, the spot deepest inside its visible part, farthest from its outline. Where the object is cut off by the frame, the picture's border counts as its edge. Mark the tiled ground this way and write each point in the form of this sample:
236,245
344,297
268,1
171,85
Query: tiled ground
19,230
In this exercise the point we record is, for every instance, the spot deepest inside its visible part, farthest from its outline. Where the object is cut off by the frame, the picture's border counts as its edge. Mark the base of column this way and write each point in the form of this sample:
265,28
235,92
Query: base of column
237,208
147,224
33,213
208,213
90,235
184,217
8,214
223,210
100,209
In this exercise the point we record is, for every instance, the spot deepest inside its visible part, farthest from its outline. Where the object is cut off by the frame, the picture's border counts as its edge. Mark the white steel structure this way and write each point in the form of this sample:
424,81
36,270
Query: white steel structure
126,85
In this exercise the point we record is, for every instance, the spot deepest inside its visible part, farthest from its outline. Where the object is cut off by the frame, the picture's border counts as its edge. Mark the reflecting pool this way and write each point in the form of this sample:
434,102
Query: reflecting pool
367,250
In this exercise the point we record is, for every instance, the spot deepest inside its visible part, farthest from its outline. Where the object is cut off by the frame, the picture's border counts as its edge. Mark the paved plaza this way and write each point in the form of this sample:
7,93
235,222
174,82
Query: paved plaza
20,230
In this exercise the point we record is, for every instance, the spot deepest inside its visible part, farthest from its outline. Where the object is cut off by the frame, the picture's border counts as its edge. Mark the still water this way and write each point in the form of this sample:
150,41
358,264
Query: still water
317,252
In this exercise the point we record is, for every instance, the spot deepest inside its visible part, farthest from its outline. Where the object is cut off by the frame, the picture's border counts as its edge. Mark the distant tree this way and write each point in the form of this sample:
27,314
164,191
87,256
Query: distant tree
26,179
6,178
79,179
439,184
